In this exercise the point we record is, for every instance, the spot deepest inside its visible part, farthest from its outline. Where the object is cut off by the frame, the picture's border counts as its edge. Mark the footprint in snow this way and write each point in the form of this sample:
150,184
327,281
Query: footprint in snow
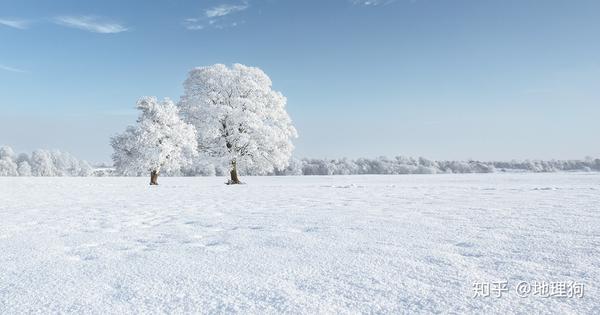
468,249
475,255
465,244
217,245
311,229
77,256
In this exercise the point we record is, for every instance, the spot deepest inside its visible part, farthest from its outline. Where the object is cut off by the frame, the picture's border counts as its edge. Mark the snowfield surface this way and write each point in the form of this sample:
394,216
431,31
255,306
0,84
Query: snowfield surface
342,244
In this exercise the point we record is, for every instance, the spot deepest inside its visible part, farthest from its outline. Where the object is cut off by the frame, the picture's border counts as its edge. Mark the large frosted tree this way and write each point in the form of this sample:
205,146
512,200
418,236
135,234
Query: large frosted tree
240,120
160,141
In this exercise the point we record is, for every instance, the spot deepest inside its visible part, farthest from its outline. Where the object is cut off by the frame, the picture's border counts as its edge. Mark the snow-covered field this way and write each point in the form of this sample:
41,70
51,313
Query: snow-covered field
355,244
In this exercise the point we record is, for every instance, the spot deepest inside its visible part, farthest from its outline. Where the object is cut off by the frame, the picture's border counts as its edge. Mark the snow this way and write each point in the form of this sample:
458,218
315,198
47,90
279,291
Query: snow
312,244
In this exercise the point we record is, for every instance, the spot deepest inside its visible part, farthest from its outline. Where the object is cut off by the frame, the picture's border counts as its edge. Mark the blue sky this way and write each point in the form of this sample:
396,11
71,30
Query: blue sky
435,78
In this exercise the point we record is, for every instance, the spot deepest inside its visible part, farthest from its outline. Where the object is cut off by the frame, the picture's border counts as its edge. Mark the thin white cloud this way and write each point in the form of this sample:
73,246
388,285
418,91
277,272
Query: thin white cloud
372,3
216,17
91,24
224,9
15,23
195,27
11,69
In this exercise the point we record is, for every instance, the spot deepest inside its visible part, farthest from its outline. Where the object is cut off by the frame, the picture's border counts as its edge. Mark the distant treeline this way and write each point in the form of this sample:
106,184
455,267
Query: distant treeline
42,163
409,165
57,163
397,165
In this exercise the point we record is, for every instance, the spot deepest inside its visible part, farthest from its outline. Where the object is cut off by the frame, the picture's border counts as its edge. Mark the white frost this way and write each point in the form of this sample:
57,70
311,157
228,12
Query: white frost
238,117
160,142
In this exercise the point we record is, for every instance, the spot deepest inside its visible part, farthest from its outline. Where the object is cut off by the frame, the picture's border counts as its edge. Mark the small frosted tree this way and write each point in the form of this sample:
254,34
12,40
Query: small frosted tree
62,162
160,141
241,121
68,165
7,153
84,169
42,164
24,168
8,167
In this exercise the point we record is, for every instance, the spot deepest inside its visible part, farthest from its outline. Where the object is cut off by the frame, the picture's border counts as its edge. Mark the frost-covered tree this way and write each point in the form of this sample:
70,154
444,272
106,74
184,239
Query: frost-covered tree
84,169
62,162
199,166
7,153
22,157
24,168
294,168
65,164
42,164
8,167
160,141
241,121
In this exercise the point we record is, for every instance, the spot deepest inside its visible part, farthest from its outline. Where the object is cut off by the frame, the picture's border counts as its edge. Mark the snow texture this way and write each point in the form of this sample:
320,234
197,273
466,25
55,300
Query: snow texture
340,244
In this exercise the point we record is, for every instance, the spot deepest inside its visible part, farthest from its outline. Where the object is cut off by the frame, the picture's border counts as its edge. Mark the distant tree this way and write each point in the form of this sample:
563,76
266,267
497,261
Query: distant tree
67,165
42,164
24,168
7,153
199,166
160,141
22,157
240,120
8,167
294,168
84,169
64,163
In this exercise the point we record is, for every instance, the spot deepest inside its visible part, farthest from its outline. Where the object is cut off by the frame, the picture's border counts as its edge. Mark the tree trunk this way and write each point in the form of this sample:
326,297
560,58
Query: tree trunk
154,178
234,176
